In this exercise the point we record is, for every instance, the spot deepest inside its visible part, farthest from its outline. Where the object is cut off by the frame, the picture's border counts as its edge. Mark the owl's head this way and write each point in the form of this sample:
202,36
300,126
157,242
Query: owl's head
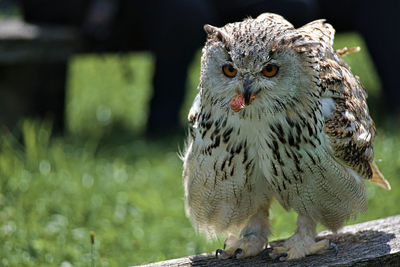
263,63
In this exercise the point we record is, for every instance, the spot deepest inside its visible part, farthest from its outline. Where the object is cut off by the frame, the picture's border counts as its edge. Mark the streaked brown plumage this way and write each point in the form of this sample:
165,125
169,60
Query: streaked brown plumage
278,115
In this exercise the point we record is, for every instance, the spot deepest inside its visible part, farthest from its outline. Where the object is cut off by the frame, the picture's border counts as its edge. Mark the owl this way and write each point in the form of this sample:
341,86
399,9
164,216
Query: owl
278,115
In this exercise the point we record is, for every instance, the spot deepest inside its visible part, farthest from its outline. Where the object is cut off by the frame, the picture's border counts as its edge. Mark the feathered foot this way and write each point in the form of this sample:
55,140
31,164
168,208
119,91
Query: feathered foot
293,250
247,246
302,243
253,238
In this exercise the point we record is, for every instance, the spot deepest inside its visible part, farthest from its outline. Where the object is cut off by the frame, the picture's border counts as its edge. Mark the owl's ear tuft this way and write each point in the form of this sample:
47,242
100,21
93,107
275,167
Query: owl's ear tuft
214,32
319,31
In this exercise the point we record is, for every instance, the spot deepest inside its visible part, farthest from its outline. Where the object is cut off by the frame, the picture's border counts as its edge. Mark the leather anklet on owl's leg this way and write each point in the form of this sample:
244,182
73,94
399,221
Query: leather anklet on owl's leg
252,240
302,243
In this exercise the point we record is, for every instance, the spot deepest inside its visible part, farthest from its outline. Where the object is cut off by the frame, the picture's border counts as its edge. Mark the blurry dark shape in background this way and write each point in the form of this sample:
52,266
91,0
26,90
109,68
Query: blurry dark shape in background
173,31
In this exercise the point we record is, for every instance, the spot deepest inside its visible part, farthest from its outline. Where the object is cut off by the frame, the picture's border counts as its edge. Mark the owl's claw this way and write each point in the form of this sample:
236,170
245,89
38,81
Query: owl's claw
237,254
265,252
221,254
334,247
281,257
239,248
218,252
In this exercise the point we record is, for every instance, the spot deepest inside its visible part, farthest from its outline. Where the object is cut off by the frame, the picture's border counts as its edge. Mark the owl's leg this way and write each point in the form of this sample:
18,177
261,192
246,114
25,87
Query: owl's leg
302,243
252,240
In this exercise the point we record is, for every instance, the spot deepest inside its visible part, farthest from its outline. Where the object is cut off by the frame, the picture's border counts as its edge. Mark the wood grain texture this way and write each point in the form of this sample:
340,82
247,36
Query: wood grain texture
365,244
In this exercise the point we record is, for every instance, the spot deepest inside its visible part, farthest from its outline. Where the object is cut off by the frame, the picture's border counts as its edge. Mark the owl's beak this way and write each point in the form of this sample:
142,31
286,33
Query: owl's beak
243,98
248,91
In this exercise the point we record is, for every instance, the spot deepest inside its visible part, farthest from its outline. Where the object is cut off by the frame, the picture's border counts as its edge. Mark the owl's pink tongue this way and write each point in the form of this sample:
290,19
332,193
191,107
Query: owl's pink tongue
237,102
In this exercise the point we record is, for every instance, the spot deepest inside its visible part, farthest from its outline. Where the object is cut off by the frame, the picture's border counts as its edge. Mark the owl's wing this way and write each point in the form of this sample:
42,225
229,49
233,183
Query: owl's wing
194,110
348,126
193,114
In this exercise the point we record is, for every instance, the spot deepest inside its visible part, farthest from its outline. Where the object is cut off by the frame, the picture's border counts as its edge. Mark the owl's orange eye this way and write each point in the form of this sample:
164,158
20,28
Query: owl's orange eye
270,70
229,70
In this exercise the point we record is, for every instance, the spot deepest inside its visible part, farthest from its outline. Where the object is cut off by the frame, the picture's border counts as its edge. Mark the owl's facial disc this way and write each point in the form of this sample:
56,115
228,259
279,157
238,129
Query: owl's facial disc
248,79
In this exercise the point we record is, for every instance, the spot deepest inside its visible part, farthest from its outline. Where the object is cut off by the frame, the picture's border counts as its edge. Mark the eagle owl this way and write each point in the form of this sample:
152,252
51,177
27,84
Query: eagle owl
278,115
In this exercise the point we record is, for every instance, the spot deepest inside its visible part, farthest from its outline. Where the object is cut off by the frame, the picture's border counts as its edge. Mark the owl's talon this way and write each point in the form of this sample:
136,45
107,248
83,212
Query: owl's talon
237,254
281,257
265,252
334,247
218,252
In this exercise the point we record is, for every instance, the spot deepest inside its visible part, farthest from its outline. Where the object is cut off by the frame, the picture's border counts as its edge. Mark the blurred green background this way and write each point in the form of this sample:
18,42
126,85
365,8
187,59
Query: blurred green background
104,176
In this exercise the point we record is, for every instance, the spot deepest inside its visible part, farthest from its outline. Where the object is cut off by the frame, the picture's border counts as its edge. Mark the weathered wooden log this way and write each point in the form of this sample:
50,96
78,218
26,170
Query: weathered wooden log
371,243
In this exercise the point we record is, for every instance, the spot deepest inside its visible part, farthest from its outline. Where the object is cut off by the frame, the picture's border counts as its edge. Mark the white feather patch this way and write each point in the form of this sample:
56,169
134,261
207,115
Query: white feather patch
364,136
328,106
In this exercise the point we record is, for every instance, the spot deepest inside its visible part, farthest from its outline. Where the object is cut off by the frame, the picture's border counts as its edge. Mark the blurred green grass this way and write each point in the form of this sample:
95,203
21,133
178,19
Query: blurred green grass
103,176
